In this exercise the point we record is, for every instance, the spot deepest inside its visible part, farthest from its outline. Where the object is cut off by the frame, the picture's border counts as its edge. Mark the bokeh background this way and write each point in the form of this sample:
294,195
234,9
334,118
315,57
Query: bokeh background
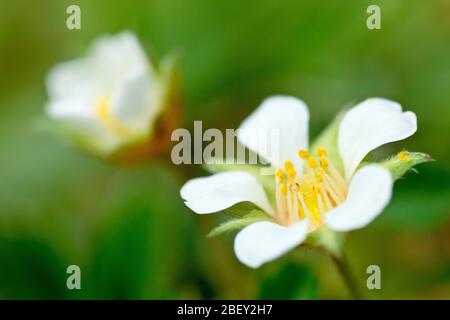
128,229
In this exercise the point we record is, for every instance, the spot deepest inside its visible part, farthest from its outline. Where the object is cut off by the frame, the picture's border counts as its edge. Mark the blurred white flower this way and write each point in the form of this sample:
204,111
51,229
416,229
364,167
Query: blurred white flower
109,99
310,189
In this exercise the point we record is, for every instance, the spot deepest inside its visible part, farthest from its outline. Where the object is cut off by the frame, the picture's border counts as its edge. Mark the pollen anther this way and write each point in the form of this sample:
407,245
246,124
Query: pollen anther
324,162
310,192
279,174
291,173
321,152
404,156
303,154
288,166
312,162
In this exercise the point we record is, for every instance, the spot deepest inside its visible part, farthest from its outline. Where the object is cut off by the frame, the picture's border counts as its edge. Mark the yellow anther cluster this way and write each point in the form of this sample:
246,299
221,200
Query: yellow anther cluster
312,161
309,193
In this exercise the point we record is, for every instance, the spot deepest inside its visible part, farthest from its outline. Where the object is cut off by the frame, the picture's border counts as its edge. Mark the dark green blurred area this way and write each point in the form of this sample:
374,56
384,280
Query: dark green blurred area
128,229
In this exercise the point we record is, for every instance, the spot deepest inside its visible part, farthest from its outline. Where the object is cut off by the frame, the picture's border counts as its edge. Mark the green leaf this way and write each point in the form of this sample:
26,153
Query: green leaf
290,281
31,269
420,202
328,140
237,224
122,258
404,161
136,250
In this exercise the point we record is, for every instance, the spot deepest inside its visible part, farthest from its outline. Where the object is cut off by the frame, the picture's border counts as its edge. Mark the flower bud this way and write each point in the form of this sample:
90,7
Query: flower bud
114,103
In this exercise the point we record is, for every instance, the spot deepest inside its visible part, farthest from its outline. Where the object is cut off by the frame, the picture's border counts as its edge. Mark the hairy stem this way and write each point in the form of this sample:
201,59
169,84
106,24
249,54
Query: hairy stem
344,269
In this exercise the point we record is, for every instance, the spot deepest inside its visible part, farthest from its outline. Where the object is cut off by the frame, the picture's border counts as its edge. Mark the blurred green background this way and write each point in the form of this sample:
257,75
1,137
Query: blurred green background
128,229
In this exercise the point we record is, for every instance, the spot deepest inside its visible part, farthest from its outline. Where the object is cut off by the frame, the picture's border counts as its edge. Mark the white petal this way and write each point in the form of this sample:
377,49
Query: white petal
109,60
265,241
134,103
116,55
80,119
369,193
370,124
282,118
222,190
73,80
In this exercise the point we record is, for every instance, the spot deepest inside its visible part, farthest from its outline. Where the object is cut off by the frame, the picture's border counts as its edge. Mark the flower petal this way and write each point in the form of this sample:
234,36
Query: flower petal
134,103
264,241
222,190
109,60
277,130
369,193
370,124
73,80
79,119
114,55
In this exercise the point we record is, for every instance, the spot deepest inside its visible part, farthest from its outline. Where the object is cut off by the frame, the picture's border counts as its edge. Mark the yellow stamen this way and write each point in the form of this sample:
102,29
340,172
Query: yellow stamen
283,189
312,162
316,188
326,198
288,165
107,118
309,193
301,213
303,154
295,187
321,152
324,162
319,176
291,173
279,174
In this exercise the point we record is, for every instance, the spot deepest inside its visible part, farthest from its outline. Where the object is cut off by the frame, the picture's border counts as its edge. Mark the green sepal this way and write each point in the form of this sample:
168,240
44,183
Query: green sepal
328,239
328,140
405,161
239,223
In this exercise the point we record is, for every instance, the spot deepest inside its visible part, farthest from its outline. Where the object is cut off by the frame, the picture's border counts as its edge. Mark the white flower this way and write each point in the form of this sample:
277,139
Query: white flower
108,99
310,190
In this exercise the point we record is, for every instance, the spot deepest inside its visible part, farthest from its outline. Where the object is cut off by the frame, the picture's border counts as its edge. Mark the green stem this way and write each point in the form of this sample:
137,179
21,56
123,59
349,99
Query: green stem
346,274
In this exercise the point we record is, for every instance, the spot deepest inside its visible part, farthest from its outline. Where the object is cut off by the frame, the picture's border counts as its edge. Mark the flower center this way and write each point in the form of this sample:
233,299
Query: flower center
318,189
102,107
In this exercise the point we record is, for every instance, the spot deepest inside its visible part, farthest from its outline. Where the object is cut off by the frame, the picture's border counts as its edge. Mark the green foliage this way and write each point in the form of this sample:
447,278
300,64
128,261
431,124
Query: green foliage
421,201
31,269
290,281
120,263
